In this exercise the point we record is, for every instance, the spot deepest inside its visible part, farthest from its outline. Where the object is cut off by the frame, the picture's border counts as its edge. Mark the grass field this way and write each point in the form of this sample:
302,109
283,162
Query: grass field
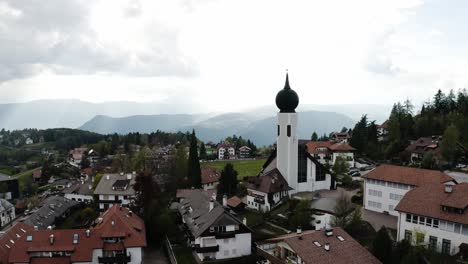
243,167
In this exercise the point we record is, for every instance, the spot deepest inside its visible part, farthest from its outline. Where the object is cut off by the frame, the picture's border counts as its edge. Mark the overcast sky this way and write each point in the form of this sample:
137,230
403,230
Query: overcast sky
221,55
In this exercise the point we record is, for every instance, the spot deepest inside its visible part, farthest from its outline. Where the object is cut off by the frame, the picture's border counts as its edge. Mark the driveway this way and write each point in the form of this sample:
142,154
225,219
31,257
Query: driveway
377,220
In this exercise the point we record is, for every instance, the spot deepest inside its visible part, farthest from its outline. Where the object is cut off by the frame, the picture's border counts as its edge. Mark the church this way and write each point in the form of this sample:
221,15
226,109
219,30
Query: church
295,164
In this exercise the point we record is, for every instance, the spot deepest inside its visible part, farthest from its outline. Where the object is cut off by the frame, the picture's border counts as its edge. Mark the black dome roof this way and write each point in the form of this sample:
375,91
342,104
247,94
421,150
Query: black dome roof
287,99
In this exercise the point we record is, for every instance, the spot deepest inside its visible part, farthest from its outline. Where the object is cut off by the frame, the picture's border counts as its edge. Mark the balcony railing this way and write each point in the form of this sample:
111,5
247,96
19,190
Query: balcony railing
119,258
199,249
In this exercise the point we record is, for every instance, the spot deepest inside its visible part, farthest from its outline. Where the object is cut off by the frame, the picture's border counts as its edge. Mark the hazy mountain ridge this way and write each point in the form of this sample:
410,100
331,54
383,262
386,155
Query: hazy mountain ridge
260,131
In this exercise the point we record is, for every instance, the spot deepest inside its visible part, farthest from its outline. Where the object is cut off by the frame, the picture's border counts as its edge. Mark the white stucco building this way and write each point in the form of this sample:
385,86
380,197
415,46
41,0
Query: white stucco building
386,185
7,212
435,215
214,233
267,191
115,189
326,152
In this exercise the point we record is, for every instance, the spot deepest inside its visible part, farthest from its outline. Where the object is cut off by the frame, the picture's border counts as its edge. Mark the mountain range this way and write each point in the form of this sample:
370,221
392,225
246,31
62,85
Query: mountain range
258,124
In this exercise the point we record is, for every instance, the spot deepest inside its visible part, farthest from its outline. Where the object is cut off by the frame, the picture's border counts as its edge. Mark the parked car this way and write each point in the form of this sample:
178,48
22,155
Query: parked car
355,174
461,166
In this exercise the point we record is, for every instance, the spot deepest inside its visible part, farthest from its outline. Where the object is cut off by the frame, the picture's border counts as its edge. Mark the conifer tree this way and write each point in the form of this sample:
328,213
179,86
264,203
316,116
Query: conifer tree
194,171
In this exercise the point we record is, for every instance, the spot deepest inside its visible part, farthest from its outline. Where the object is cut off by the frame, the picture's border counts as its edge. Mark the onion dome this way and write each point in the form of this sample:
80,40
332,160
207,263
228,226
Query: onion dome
287,99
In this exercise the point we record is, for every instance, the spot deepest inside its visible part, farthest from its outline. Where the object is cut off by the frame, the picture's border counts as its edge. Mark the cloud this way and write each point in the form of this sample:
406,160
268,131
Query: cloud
60,36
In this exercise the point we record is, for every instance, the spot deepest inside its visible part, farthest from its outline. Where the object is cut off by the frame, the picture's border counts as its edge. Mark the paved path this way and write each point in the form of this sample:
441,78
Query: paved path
153,255
377,220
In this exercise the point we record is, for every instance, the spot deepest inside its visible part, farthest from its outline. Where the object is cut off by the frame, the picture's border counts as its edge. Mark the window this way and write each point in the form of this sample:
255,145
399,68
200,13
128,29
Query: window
234,251
278,130
422,220
302,167
29,238
408,218
226,252
445,246
433,242
415,219
211,229
289,130
436,223
419,237
408,235
457,228
320,173
429,221
75,239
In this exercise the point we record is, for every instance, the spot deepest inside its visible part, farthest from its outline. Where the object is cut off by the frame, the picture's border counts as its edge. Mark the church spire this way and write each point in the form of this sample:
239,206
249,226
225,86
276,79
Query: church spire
286,85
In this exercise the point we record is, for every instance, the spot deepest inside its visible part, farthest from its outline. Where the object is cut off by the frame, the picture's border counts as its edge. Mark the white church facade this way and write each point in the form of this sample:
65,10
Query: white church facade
301,170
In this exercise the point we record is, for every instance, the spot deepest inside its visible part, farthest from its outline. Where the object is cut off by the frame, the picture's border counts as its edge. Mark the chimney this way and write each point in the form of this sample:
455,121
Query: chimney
211,205
328,231
448,187
88,233
36,228
224,200
244,221
299,230
327,246
51,239
49,228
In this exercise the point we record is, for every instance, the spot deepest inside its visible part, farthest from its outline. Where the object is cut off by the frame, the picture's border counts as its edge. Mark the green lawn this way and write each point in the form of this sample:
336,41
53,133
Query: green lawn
243,167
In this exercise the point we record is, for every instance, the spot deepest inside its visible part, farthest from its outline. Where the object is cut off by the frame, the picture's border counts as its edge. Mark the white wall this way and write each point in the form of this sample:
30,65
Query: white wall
321,220
311,184
136,255
455,238
79,197
286,156
381,195
345,156
238,246
257,206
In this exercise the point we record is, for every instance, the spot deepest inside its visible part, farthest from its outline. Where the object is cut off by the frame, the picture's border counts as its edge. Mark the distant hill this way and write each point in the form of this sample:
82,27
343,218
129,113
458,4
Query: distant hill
71,113
248,125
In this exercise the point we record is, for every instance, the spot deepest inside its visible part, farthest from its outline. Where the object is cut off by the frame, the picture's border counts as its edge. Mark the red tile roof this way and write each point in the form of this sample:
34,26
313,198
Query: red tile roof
271,182
116,222
15,233
425,144
407,175
209,174
429,199
87,171
346,252
37,174
326,147
234,201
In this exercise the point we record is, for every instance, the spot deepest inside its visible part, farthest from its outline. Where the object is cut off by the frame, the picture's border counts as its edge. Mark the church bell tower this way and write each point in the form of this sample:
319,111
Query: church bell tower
287,143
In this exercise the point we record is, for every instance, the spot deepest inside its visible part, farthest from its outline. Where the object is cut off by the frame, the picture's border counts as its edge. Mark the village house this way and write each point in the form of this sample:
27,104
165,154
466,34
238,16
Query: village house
76,155
425,145
209,177
386,185
315,246
265,192
343,137
51,212
12,187
226,151
382,131
7,212
115,189
118,237
326,152
212,231
81,191
244,152
435,215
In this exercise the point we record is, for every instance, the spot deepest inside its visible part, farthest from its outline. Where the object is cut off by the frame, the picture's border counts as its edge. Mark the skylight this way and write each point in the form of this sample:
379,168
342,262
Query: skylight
29,238
340,238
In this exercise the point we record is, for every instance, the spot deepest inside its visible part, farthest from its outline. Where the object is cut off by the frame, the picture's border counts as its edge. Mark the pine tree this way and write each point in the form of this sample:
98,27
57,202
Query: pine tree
194,171
382,246
202,151
314,137
228,181
449,144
